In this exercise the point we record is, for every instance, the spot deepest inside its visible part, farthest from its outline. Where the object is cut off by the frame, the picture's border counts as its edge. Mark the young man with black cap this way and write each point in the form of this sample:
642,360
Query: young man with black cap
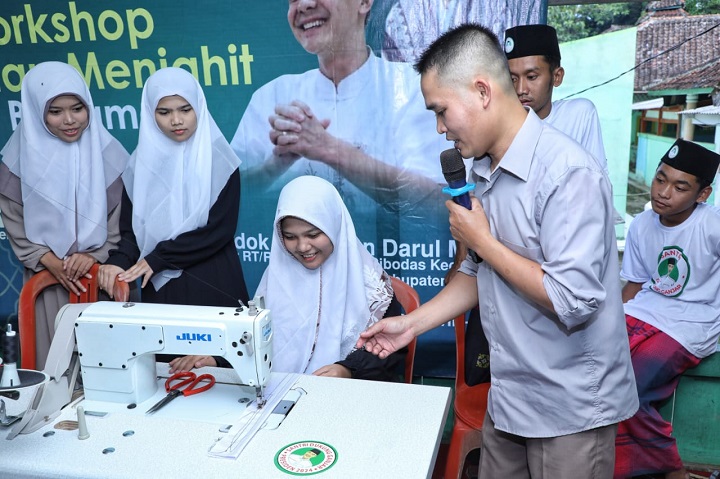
533,55
672,306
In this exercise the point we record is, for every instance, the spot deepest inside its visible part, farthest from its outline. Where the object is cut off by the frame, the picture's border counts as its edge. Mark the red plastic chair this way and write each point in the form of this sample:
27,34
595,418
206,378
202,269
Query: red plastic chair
410,301
470,406
26,307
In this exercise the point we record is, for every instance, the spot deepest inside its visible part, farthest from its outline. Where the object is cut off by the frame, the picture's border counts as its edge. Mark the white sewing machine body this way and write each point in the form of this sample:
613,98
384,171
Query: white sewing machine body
117,343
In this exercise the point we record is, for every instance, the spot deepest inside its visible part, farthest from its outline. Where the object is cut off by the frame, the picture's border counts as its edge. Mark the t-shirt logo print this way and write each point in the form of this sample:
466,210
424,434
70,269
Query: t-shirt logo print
673,272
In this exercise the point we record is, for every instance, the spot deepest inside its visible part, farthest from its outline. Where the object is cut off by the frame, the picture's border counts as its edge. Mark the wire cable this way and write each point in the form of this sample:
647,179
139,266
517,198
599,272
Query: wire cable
664,52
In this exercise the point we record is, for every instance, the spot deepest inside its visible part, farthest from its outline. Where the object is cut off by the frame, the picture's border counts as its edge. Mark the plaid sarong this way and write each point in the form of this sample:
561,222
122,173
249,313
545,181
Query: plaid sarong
644,444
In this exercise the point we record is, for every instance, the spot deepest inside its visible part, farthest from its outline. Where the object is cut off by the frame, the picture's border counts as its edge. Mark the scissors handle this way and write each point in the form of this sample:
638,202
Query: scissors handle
178,380
191,380
185,378
192,387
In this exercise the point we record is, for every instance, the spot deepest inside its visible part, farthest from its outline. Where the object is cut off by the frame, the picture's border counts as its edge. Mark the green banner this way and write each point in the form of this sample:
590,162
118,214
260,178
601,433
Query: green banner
234,48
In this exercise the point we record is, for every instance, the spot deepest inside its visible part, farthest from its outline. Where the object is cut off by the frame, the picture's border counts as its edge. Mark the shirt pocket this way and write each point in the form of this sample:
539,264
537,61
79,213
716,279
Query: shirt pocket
533,253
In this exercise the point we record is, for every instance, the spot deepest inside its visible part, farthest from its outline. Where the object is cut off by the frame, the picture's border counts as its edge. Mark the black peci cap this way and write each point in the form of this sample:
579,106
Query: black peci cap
693,159
529,40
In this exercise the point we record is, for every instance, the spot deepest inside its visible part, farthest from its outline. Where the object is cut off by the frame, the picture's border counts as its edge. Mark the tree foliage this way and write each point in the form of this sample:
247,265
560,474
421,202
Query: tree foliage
703,7
574,22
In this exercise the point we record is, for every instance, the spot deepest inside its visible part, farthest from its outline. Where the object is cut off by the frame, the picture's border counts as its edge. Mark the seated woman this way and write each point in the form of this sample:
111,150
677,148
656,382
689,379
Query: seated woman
322,288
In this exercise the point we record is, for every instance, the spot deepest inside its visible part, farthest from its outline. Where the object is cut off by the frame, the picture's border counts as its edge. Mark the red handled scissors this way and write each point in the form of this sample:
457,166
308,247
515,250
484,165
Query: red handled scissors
188,379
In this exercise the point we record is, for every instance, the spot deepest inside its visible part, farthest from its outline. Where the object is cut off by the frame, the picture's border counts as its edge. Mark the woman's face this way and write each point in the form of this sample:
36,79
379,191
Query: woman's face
176,118
305,242
67,117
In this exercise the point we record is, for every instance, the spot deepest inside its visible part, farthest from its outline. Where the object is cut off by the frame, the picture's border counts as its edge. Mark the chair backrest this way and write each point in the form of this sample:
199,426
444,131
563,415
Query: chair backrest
410,301
26,306
470,401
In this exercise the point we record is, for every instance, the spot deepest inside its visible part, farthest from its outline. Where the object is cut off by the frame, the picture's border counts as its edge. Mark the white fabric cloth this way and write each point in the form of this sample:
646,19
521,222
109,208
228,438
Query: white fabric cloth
173,185
348,293
63,185
684,304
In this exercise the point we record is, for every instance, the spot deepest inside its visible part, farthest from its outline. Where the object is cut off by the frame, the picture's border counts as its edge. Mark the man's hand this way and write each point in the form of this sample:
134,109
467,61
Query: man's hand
386,336
186,363
470,227
333,371
141,268
297,132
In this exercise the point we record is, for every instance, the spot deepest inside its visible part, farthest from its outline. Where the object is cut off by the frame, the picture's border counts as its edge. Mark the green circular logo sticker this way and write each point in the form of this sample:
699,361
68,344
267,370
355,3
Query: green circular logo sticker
305,458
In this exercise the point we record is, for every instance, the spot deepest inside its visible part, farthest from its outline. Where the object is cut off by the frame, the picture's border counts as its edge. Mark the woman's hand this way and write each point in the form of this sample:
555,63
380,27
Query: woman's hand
141,268
77,266
106,279
186,363
56,267
333,371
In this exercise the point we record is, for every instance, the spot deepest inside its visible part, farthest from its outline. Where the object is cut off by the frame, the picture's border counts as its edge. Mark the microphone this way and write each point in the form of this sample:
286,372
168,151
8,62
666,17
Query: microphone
453,169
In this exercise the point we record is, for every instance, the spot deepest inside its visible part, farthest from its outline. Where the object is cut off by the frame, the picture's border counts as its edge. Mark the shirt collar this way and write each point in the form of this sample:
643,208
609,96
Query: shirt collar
352,85
518,157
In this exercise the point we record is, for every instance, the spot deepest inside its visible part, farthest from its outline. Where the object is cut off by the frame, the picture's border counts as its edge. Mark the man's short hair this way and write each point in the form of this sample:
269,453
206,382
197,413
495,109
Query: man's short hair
464,51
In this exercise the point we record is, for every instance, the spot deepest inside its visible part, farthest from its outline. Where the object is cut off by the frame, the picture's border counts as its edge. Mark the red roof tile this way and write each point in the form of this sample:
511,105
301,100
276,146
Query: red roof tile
694,64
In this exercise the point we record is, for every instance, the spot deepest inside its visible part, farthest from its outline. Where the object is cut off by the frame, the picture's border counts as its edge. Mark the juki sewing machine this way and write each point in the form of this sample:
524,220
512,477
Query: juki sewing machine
117,343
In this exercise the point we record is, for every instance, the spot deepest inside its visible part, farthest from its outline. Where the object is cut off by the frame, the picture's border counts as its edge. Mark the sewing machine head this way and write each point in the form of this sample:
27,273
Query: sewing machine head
117,343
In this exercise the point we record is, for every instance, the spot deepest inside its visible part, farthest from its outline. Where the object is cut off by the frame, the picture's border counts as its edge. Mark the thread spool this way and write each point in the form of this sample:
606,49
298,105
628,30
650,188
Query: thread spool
10,376
82,425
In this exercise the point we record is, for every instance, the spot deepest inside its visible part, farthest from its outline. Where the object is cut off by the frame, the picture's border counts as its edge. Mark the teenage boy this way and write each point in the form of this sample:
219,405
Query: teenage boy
672,306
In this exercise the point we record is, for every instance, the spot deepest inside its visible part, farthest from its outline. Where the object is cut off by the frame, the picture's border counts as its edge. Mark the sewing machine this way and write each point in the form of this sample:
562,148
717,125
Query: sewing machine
117,343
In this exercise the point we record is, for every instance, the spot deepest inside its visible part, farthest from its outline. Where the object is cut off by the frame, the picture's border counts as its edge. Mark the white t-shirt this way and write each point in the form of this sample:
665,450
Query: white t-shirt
679,268
578,119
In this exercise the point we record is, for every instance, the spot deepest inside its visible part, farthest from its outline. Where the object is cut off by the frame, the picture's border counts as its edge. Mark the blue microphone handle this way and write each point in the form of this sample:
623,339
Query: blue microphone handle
463,200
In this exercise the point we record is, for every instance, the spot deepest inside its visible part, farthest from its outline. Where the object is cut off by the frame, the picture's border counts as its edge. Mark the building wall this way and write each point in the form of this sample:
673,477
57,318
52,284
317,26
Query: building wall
592,61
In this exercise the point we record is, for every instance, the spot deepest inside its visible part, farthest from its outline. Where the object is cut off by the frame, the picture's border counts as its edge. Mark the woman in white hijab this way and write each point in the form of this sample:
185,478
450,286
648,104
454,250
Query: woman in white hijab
181,202
60,188
322,288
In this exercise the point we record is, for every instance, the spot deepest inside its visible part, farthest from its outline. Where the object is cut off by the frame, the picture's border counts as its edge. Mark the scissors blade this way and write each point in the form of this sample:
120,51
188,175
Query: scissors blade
160,404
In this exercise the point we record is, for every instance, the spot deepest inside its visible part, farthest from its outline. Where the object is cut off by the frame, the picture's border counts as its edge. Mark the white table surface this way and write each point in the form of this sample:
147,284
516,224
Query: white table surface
379,430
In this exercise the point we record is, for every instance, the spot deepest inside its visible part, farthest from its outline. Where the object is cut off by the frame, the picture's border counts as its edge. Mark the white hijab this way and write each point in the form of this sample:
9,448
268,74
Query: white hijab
63,185
173,185
355,291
